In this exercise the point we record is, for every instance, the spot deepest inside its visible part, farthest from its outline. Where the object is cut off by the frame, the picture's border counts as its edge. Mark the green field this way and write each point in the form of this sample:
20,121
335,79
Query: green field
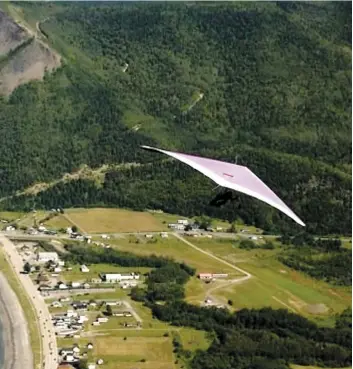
29,219
29,313
152,343
10,215
103,220
276,285
76,275
127,348
176,249
58,222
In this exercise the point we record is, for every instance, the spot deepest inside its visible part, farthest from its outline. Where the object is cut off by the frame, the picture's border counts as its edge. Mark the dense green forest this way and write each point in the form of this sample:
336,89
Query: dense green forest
247,339
276,79
322,258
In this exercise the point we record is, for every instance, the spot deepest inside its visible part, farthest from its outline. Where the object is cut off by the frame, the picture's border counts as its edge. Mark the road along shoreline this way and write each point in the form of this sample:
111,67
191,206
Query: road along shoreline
15,336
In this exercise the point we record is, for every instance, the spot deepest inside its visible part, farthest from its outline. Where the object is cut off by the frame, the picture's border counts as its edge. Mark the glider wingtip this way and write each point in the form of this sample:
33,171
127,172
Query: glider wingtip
149,148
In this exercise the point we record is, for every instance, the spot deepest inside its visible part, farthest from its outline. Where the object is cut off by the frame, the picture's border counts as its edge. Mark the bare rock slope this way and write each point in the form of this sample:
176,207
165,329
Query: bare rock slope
11,35
22,58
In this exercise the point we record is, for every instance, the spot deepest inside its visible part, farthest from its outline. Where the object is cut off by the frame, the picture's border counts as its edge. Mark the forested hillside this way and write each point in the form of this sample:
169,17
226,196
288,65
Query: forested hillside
269,82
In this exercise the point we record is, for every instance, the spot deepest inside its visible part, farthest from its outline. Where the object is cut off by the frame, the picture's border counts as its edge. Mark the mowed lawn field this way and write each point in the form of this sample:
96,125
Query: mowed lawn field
129,349
95,269
101,220
276,285
172,247
57,222
149,348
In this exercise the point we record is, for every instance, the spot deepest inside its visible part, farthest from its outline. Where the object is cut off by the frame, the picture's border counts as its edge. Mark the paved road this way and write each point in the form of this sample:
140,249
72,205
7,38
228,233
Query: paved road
49,346
17,350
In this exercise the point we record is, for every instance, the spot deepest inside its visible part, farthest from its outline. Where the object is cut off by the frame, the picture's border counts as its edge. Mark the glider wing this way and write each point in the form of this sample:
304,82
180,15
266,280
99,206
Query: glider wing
233,176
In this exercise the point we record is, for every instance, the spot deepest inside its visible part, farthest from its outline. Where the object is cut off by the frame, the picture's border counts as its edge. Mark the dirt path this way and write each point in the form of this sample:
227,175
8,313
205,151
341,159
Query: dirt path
132,311
224,284
284,304
242,279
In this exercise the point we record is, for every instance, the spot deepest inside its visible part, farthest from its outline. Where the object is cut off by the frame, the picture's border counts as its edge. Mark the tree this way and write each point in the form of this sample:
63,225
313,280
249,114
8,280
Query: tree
204,222
27,267
74,229
247,244
82,364
138,294
232,228
109,310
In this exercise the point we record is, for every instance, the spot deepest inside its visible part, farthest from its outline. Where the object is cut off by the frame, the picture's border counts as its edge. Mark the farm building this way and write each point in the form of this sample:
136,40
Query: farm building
84,269
117,277
219,275
44,257
179,227
205,276
183,221
208,276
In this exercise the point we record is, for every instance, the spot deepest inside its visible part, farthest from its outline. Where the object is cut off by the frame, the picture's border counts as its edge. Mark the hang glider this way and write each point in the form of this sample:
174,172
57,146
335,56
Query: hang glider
234,177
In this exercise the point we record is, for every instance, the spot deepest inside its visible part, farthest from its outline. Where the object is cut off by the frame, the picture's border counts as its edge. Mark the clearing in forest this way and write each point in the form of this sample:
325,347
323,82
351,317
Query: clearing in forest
101,220
270,286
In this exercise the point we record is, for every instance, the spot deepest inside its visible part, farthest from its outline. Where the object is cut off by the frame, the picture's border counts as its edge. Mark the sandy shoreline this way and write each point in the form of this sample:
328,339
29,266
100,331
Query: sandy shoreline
17,348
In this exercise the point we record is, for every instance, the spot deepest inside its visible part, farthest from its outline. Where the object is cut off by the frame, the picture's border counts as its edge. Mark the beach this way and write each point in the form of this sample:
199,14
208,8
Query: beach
16,343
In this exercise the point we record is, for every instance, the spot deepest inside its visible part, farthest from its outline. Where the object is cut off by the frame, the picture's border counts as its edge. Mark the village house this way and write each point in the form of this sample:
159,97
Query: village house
205,276
56,304
44,257
84,269
113,303
209,276
179,227
183,221
102,320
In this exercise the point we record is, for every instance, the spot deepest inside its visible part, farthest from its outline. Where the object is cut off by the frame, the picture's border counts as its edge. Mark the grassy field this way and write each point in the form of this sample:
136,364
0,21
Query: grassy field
29,219
76,275
101,220
58,222
128,349
27,308
125,348
276,285
176,249
11,216
193,339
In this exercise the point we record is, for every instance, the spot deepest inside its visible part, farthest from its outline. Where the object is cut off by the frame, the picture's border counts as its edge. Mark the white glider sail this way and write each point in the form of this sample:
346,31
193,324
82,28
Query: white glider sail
235,177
